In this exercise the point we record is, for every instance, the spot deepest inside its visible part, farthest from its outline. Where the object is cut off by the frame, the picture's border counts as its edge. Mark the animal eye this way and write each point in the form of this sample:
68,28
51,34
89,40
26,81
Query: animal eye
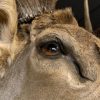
50,49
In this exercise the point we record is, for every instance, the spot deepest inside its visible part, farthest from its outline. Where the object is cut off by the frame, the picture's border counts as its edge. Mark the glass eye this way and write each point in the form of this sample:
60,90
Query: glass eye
50,49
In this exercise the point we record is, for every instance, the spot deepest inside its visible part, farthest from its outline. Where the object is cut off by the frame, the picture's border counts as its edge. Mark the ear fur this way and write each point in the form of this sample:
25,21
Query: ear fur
8,28
64,16
8,20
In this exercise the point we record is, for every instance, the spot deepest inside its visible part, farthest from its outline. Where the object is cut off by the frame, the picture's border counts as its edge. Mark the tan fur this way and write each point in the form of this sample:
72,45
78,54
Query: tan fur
10,42
58,17
8,27
27,74
64,17
8,18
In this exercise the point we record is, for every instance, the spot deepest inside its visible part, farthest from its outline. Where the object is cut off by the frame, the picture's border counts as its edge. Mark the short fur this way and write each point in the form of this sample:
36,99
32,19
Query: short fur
27,74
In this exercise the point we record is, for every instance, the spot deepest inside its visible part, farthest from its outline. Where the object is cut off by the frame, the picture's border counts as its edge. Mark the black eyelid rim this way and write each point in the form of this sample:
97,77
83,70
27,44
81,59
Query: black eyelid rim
45,39
46,42
53,37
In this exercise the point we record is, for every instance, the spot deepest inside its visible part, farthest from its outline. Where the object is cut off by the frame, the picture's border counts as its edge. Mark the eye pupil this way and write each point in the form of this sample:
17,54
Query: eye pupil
51,49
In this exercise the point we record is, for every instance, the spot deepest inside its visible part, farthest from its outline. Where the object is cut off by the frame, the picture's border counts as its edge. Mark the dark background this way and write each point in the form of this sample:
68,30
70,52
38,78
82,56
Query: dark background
77,7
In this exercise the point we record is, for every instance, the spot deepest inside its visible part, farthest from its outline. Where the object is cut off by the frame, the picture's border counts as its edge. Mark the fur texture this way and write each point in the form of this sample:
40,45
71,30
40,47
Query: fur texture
28,9
28,73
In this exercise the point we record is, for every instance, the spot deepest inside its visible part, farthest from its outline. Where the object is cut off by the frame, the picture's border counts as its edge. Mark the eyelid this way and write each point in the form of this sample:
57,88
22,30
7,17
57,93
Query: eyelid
44,41
51,55
46,38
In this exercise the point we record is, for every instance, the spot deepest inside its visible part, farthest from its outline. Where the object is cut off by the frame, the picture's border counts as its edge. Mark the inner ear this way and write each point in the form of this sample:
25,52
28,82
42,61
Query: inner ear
4,29
8,29
8,21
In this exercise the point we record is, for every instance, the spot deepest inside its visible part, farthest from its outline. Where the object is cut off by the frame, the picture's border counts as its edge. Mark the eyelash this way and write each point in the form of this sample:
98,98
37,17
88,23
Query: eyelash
43,49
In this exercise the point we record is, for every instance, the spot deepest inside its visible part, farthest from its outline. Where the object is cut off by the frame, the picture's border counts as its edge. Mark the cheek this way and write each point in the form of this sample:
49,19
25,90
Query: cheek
59,68
44,65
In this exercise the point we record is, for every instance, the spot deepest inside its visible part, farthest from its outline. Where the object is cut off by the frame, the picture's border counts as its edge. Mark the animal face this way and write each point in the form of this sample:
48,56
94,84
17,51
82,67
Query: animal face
62,61
58,61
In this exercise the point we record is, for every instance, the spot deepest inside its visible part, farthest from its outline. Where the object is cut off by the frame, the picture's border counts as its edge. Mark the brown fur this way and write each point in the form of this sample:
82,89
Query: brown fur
10,42
28,74
64,17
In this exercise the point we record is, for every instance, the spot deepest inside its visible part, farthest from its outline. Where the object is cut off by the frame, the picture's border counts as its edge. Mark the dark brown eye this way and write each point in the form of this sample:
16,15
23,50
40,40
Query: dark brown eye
50,49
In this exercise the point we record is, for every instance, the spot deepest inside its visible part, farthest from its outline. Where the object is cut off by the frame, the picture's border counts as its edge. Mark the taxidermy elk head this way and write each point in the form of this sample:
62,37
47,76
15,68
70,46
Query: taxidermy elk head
52,58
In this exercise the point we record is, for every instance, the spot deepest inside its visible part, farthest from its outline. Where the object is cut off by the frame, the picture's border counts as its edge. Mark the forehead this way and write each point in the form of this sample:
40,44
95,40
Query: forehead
60,23
66,31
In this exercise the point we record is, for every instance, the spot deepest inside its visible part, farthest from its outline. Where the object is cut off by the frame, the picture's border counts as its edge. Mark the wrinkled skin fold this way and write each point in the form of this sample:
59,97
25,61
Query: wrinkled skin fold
50,59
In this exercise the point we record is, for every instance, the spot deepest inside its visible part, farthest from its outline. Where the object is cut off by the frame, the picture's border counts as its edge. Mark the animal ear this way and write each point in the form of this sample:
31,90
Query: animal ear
8,20
64,16
8,28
